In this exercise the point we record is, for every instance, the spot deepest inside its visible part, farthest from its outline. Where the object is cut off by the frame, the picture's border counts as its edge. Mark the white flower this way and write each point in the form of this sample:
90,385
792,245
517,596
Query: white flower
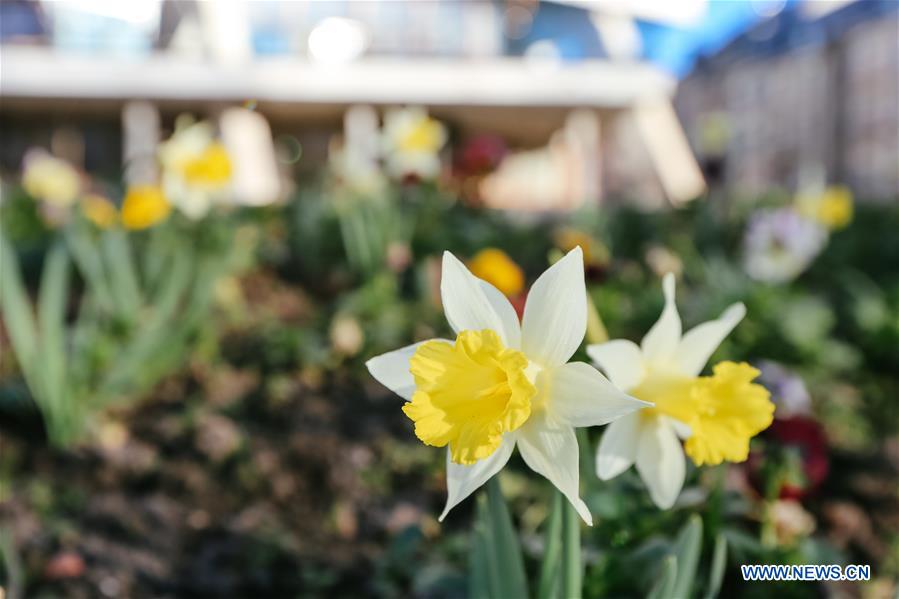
501,384
412,142
196,169
716,414
780,244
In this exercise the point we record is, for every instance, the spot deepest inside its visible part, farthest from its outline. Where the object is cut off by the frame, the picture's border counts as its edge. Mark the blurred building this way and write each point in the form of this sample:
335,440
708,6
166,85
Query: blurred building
802,92
524,70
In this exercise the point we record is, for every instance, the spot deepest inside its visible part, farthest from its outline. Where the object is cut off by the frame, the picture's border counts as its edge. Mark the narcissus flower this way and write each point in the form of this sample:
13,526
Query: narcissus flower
412,141
144,206
717,415
50,179
500,383
833,208
196,169
497,268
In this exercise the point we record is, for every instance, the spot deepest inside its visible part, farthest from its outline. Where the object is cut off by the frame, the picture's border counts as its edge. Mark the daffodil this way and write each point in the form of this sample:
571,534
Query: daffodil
144,206
99,210
832,208
51,179
196,169
497,268
501,384
717,415
412,142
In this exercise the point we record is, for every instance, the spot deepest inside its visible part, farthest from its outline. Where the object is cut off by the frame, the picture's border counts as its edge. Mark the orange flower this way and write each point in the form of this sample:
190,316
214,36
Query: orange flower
498,269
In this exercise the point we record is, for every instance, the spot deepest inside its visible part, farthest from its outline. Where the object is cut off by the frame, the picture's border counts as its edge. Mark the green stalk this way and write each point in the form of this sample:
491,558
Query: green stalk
572,568
548,587
596,328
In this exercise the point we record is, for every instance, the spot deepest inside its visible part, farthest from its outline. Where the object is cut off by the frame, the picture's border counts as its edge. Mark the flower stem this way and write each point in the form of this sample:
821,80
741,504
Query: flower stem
572,568
596,329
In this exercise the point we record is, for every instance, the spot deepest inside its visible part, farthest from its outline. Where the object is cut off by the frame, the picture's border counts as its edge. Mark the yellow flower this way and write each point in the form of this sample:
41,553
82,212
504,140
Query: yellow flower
412,142
595,252
498,269
196,169
144,206
469,394
99,210
833,208
212,167
51,179
425,135
717,415
723,411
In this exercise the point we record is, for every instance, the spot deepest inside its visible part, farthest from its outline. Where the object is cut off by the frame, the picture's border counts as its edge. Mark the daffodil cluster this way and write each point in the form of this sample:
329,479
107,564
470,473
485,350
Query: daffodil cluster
501,384
196,173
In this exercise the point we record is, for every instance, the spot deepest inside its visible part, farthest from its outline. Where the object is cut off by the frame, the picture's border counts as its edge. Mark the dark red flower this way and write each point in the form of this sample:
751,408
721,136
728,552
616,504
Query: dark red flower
480,155
786,437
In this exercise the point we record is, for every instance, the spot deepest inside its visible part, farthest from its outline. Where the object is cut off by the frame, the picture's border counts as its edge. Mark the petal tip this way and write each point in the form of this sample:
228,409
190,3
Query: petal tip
583,511
735,311
668,286
603,472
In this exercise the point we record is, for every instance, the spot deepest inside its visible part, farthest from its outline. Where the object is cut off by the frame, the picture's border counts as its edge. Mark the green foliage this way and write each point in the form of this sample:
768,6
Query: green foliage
496,569
131,326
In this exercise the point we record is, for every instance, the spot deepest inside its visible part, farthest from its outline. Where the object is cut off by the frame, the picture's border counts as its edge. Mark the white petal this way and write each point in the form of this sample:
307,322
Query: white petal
621,360
700,342
581,396
555,316
507,315
465,302
660,343
392,369
549,447
462,481
681,429
660,461
618,447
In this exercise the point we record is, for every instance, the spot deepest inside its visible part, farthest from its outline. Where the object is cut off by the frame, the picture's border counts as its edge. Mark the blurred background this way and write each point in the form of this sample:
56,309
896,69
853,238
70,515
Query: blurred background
213,213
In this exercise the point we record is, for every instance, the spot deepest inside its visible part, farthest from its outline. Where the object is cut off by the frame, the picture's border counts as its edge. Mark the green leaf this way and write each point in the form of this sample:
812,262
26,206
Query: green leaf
664,586
156,255
719,561
89,261
122,273
481,579
161,333
52,300
506,547
687,549
550,566
17,315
